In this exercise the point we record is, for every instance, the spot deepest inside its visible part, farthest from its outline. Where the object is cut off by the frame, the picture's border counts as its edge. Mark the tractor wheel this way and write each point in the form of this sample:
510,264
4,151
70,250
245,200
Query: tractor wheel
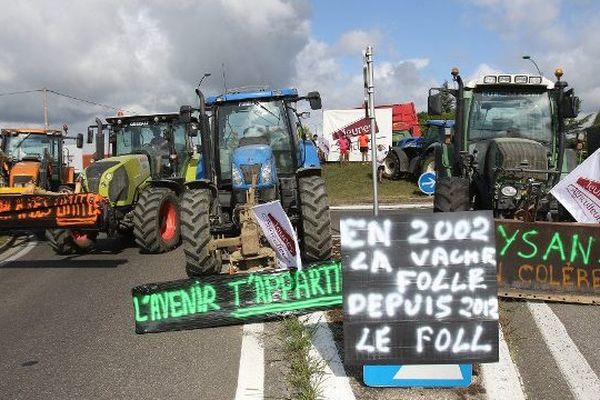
451,194
391,166
428,164
66,241
315,229
156,224
195,233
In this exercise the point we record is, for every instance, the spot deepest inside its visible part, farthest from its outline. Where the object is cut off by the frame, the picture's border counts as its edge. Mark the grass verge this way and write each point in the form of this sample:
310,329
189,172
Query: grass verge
351,183
306,372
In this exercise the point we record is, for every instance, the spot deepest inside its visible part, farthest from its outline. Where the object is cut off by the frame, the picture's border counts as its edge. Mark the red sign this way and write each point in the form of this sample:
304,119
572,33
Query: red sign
355,128
283,235
591,186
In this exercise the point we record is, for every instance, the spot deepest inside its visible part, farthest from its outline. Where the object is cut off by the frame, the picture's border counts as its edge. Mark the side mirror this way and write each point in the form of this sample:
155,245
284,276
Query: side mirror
314,99
193,132
90,136
593,139
434,104
185,114
80,140
569,107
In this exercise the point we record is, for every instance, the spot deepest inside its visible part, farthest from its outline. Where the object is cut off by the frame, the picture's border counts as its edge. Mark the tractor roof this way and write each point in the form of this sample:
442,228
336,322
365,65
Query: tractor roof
511,80
33,131
448,123
143,117
241,95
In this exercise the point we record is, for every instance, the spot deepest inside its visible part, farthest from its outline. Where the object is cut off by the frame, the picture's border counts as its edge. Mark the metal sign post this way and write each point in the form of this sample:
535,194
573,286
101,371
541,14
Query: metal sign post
369,86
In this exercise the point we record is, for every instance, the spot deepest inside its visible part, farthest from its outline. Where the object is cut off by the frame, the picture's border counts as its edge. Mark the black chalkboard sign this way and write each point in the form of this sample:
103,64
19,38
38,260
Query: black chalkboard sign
420,289
221,300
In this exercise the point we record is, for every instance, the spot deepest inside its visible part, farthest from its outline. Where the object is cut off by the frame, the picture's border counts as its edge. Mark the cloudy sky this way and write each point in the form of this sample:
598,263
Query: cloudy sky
146,56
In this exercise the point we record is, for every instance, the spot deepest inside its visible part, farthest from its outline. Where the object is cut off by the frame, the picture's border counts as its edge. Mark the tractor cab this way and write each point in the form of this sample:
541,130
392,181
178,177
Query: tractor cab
508,145
162,138
257,142
35,157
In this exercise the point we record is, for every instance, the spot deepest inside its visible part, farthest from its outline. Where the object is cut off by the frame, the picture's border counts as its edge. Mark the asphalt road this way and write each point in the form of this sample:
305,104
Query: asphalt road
67,332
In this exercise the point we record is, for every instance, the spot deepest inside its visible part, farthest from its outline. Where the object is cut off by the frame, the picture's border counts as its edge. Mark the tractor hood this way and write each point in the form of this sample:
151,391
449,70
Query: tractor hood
116,178
509,153
23,173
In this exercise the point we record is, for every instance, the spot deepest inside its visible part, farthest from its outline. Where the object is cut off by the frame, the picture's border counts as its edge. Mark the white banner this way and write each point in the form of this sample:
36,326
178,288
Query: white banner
579,192
278,230
350,123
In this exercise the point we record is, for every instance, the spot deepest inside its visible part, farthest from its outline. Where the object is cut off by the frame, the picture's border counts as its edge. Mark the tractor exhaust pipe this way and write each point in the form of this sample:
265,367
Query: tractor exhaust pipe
99,155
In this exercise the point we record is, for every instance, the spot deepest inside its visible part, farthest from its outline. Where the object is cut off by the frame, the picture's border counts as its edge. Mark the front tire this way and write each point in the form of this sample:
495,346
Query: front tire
156,222
65,241
195,233
316,242
451,194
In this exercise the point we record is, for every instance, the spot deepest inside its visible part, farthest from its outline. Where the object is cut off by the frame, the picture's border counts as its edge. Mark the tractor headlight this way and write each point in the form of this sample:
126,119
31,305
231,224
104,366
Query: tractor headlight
266,172
509,191
236,175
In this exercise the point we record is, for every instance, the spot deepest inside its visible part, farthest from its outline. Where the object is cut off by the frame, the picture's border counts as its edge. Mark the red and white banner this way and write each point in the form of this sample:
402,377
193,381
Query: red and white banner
579,192
351,123
278,230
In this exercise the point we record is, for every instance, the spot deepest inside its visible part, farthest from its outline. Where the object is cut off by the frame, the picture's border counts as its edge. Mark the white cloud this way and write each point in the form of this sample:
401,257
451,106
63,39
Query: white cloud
554,34
355,41
483,69
142,55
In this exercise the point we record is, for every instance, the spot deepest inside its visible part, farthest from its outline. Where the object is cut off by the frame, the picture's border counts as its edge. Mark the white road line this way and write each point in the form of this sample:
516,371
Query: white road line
365,207
334,384
582,380
28,247
251,375
502,379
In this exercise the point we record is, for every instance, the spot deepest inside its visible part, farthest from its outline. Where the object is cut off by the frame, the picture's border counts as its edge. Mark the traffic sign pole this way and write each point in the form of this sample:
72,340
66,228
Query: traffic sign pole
370,88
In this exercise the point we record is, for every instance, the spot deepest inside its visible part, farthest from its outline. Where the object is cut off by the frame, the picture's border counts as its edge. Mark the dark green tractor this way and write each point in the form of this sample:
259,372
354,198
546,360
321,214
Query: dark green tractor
508,148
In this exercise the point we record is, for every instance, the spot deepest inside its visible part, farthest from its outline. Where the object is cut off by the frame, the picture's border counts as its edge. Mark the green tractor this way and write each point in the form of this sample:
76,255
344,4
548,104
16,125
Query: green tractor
508,148
151,158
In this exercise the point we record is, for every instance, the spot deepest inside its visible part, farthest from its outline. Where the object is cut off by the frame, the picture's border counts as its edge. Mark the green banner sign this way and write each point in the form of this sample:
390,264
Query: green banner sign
235,299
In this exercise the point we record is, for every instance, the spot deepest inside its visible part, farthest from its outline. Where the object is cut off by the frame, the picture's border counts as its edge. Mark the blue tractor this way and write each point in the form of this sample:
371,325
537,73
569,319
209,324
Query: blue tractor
253,152
415,156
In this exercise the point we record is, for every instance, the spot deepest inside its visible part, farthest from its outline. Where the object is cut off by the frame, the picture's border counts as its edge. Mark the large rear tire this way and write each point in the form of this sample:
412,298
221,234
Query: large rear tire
316,242
451,194
156,223
65,241
195,233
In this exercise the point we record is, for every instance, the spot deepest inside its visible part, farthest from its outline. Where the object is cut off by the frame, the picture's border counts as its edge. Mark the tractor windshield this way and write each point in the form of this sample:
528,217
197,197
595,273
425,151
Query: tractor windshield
142,137
499,113
30,146
259,120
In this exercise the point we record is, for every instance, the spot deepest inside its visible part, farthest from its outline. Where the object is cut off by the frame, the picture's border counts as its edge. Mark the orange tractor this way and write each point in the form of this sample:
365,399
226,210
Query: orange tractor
35,159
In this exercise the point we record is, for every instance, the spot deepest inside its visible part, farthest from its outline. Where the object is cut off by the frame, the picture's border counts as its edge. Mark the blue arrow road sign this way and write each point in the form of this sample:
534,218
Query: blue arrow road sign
427,182
439,375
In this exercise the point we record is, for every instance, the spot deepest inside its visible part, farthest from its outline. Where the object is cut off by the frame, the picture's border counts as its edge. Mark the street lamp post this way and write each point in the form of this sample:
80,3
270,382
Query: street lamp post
526,57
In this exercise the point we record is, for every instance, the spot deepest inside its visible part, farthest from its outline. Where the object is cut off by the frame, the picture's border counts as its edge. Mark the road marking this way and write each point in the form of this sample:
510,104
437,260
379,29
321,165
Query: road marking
366,207
583,382
28,247
502,379
251,375
334,383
